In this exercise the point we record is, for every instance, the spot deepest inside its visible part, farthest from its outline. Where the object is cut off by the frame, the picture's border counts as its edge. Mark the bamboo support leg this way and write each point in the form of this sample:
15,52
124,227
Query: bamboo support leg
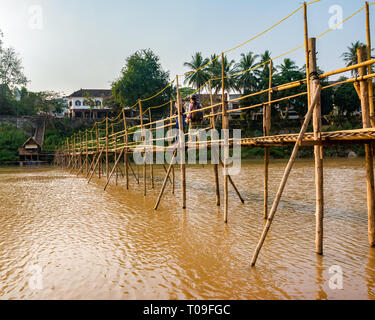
127,170
166,170
145,177
165,182
173,181
97,163
91,165
113,170
230,180
152,176
132,170
370,192
266,176
217,185
285,177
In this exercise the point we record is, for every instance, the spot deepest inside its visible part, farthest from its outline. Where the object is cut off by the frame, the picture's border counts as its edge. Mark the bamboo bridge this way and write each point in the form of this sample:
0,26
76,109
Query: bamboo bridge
104,150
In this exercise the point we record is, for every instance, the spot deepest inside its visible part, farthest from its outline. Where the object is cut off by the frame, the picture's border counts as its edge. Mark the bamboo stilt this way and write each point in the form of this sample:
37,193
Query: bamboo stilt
87,154
165,181
98,149
318,150
215,165
362,56
369,68
113,169
225,121
126,139
266,132
106,149
97,163
91,165
181,141
166,170
285,177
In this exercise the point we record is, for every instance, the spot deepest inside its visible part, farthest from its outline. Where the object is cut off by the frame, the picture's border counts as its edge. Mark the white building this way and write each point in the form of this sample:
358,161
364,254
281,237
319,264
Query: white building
88,103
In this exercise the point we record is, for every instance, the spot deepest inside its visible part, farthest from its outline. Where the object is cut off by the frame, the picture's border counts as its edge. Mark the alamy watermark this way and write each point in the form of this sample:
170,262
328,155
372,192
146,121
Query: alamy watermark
35,14
336,280
337,15
201,146
35,278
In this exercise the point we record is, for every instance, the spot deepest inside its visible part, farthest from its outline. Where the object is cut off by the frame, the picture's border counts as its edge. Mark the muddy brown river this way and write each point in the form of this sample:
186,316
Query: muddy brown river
61,238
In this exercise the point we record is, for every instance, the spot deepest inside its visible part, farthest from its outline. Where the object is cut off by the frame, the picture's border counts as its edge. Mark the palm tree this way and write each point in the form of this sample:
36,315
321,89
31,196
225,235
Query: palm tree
247,80
215,73
197,76
287,66
289,72
350,57
263,73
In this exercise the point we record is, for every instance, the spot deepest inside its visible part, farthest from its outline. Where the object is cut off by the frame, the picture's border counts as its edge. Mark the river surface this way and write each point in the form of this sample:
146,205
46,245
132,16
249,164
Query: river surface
61,238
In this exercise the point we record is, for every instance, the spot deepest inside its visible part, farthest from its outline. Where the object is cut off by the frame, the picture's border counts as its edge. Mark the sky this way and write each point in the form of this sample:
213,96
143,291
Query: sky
67,45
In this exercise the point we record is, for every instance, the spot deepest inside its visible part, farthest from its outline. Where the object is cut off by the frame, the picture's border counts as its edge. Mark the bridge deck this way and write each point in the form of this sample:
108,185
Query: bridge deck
327,138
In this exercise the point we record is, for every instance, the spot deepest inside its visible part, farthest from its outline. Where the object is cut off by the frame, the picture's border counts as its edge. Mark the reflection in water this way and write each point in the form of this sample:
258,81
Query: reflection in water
84,243
321,294
370,270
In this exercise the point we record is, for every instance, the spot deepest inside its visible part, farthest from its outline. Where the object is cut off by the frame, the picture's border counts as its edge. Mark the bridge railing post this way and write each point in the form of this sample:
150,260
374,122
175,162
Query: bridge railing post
318,149
225,125
365,106
181,142
266,132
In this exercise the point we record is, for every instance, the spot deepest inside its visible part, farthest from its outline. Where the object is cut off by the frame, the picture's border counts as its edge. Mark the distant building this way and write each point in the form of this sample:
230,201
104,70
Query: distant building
88,103
29,152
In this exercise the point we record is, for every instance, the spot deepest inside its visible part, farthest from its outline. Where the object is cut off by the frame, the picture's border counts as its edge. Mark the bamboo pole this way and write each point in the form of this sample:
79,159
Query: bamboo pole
114,169
106,148
369,70
116,159
144,161
181,142
173,173
225,123
266,131
67,141
126,140
362,55
166,170
98,150
233,184
96,164
165,181
152,162
286,176
215,165
87,154
318,149
75,152
91,165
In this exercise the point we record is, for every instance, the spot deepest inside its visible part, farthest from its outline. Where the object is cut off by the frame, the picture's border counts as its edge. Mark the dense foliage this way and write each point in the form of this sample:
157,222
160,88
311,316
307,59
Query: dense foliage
11,139
141,78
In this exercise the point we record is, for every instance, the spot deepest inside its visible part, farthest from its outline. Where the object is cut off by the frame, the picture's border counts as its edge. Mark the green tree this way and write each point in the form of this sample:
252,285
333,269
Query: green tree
197,76
11,139
350,57
247,80
186,91
289,72
141,78
215,73
11,69
346,99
